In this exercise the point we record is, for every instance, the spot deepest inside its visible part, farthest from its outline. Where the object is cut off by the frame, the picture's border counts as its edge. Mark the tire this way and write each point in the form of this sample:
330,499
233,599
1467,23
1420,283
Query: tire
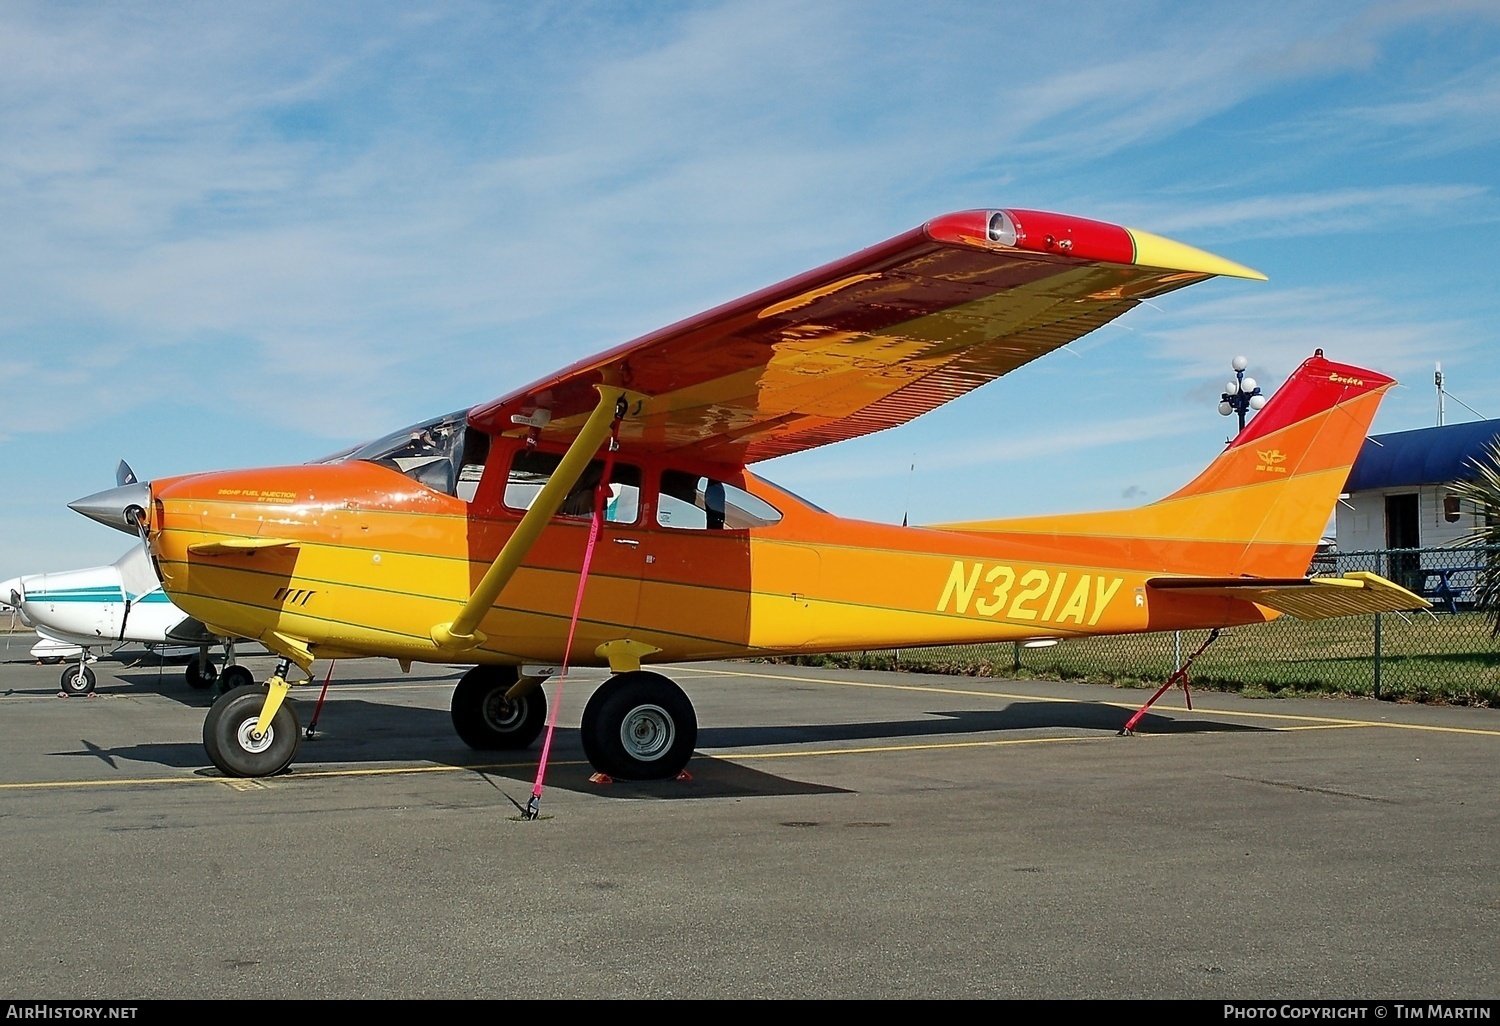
227,729
200,674
235,677
77,680
639,726
486,721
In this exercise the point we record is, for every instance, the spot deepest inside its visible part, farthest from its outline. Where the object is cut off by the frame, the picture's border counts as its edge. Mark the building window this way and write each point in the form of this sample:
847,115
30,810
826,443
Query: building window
1450,508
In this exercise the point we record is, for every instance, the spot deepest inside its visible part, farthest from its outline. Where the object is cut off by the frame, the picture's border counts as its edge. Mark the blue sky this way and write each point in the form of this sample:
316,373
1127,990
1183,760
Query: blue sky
241,235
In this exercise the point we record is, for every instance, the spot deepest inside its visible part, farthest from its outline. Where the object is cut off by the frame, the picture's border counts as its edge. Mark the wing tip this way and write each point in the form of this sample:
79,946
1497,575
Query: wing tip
1041,231
1157,251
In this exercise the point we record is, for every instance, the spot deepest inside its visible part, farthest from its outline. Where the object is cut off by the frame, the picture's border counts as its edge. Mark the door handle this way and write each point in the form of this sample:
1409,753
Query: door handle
626,541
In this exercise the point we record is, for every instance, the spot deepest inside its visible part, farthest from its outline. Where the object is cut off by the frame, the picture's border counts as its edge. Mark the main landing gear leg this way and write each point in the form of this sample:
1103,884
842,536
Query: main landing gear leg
253,731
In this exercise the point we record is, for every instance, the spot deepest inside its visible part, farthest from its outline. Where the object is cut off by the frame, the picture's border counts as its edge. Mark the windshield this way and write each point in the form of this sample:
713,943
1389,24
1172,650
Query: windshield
430,452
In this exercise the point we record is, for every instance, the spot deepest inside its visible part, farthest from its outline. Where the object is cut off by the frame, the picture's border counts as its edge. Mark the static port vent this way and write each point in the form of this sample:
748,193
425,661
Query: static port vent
1002,229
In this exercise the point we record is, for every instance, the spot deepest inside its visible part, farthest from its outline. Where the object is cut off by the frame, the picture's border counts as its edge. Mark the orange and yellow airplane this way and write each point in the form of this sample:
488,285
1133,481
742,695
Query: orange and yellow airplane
465,539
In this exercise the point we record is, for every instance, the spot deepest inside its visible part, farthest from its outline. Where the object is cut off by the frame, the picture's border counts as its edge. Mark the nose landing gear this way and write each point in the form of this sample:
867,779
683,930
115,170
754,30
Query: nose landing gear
253,731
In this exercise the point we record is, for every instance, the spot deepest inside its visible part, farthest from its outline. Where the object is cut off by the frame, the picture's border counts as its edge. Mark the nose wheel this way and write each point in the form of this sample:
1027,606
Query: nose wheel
639,726
237,748
77,679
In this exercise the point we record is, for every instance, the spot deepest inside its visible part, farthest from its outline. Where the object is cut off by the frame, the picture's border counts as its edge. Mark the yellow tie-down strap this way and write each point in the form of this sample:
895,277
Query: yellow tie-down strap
1357,593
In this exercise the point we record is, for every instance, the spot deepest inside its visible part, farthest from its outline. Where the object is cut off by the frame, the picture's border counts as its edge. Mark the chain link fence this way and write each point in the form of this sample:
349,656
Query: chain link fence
1449,654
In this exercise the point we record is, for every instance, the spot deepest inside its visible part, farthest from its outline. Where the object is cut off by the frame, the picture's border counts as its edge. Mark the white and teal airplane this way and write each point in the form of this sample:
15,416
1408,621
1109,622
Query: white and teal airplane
79,612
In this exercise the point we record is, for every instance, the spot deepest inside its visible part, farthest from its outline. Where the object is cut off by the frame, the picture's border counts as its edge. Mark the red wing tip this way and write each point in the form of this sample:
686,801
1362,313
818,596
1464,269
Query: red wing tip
1035,231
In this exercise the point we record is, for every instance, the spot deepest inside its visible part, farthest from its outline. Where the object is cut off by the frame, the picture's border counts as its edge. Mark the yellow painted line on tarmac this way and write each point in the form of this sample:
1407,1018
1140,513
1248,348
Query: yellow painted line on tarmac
1327,726
240,783
926,689
261,784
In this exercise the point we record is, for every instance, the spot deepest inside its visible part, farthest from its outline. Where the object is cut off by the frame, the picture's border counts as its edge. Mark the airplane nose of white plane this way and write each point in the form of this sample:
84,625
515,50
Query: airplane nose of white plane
116,507
12,592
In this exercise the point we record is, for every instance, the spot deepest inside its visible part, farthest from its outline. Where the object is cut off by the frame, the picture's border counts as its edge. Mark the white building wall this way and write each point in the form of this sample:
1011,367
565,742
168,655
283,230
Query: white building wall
1360,527
1359,521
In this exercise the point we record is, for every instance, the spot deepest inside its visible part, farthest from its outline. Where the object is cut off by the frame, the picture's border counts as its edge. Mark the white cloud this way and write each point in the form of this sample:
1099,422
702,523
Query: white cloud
1278,329
1320,213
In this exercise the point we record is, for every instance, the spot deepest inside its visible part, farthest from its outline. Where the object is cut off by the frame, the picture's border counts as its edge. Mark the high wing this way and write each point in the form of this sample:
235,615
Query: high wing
867,342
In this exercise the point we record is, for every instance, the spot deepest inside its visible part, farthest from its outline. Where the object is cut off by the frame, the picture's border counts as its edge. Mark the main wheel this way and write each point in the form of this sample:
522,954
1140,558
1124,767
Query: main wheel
486,720
229,734
639,726
235,677
200,673
77,680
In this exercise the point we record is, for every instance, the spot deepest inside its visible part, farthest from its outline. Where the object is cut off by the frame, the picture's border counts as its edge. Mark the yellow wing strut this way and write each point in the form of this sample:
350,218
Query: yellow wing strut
461,633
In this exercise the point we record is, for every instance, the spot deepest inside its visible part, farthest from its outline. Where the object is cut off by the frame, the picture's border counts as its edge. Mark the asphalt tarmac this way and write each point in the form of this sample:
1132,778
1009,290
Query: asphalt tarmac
843,835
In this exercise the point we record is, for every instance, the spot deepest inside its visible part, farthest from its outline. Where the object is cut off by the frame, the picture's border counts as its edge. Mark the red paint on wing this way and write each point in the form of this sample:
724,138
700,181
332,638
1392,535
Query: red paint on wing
1040,231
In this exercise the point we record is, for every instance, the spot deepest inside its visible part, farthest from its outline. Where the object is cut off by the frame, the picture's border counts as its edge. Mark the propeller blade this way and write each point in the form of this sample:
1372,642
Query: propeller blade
124,475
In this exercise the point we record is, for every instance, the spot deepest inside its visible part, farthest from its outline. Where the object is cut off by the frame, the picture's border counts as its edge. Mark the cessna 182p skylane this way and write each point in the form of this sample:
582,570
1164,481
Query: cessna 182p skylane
467,539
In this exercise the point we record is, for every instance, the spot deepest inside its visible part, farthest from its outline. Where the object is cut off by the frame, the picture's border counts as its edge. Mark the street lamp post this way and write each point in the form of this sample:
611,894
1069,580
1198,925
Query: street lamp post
1242,394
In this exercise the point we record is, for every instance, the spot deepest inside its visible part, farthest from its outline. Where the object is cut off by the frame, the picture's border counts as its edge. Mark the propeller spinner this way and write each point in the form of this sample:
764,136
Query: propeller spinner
122,507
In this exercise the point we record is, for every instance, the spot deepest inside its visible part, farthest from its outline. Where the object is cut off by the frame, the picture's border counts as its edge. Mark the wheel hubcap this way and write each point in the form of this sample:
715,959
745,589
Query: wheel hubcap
252,744
648,731
501,713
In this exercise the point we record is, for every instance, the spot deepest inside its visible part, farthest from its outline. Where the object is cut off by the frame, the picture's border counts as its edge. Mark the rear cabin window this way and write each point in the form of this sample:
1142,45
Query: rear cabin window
530,470
691,502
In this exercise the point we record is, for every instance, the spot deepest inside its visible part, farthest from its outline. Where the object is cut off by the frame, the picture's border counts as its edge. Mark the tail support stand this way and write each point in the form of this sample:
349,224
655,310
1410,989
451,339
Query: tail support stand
1180,676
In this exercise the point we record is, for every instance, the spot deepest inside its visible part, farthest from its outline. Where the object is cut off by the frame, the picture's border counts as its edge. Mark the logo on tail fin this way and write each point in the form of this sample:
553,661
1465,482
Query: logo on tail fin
1269,460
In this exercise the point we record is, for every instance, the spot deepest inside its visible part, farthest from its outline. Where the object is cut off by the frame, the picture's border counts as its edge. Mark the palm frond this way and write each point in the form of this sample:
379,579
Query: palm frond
1482,493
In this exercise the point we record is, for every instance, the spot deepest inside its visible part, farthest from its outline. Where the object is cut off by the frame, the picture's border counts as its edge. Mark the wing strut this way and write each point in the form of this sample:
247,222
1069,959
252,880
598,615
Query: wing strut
462,633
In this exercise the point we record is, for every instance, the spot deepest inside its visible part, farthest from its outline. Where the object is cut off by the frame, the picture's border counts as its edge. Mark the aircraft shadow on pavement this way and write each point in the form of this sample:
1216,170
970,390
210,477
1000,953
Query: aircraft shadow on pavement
1016,716
355,733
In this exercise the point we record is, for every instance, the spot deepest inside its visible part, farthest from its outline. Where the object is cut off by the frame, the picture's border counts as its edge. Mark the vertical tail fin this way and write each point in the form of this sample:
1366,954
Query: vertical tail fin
1276,484
1260,507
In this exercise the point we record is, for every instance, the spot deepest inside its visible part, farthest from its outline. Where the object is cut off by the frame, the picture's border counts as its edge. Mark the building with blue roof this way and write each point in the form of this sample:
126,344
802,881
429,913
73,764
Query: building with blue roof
1399,496
1398,493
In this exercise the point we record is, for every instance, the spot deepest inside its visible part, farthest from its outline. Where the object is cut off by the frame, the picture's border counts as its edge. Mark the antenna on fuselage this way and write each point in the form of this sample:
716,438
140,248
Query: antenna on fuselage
909,475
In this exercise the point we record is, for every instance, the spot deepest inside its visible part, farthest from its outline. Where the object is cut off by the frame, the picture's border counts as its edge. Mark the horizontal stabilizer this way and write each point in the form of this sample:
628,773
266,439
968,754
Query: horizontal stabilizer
1307,598
233,546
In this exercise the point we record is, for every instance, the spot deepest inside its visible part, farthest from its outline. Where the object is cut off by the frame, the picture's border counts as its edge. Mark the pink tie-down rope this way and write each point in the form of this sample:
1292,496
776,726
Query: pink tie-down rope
601,489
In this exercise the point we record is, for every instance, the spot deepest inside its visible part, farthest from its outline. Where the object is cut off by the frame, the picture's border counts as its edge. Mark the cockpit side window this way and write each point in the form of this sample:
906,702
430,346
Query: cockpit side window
531,470
692,502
